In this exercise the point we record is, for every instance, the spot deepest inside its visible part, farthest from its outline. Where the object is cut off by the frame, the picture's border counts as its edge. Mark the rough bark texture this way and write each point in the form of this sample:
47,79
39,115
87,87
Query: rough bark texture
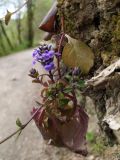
97,23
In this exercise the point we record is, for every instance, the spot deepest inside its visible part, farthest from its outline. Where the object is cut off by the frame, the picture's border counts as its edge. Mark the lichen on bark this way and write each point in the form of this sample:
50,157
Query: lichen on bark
97,23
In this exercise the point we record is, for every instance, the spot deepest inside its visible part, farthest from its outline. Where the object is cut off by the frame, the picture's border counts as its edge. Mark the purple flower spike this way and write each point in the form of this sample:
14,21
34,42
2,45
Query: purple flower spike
45,55
35,53
33,63
49,67
51,54
38,58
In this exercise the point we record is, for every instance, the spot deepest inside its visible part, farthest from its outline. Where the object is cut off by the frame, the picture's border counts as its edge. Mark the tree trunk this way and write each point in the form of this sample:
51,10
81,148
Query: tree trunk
6,36
97,23
30,19
19,27
2,45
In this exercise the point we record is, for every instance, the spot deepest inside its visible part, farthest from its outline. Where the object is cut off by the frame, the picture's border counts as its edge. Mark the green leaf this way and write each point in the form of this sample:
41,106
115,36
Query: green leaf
18,123
67,77
8,17
61,95
90,137
63,102
81,83
68,90
78,54
49,93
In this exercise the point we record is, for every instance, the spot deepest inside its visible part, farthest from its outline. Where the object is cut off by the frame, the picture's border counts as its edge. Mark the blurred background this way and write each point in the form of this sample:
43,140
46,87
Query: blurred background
22,31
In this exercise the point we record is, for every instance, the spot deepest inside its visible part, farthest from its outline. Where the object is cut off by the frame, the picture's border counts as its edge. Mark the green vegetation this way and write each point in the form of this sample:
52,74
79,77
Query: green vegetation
90,137
14,37
96,143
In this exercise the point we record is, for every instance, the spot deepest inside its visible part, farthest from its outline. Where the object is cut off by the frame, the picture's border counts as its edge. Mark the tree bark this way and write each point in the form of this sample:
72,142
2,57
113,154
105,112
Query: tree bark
30,19
97,23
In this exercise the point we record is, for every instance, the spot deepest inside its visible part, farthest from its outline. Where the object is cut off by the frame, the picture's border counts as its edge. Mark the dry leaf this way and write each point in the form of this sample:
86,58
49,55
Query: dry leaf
8,17
78,54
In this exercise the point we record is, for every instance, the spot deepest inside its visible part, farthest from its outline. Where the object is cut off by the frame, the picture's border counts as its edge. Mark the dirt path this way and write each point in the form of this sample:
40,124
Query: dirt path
17,95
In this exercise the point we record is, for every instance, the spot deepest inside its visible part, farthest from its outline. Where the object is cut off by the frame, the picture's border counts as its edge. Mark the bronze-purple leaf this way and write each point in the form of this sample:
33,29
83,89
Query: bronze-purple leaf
48,22
77,129
71,134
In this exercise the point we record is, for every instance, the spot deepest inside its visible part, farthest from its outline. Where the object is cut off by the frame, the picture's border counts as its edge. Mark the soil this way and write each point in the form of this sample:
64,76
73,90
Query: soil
17,97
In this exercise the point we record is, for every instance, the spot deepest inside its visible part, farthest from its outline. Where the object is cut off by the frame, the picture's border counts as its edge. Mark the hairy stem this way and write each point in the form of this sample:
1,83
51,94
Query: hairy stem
21,128
59,49
51,77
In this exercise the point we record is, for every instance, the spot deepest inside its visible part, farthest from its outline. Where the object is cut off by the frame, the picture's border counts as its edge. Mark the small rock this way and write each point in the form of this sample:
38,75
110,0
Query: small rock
91,157
13,78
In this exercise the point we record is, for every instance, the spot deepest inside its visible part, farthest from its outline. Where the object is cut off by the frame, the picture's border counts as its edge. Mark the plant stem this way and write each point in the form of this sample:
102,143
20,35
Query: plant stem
59,49
21,128
51,76
62,23
20,7
10,136
17,10
74,99
58,66
69,96
48,75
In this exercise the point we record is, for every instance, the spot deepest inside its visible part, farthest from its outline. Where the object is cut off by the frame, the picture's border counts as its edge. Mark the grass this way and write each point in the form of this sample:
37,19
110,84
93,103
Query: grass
96,143
8,51
40,10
